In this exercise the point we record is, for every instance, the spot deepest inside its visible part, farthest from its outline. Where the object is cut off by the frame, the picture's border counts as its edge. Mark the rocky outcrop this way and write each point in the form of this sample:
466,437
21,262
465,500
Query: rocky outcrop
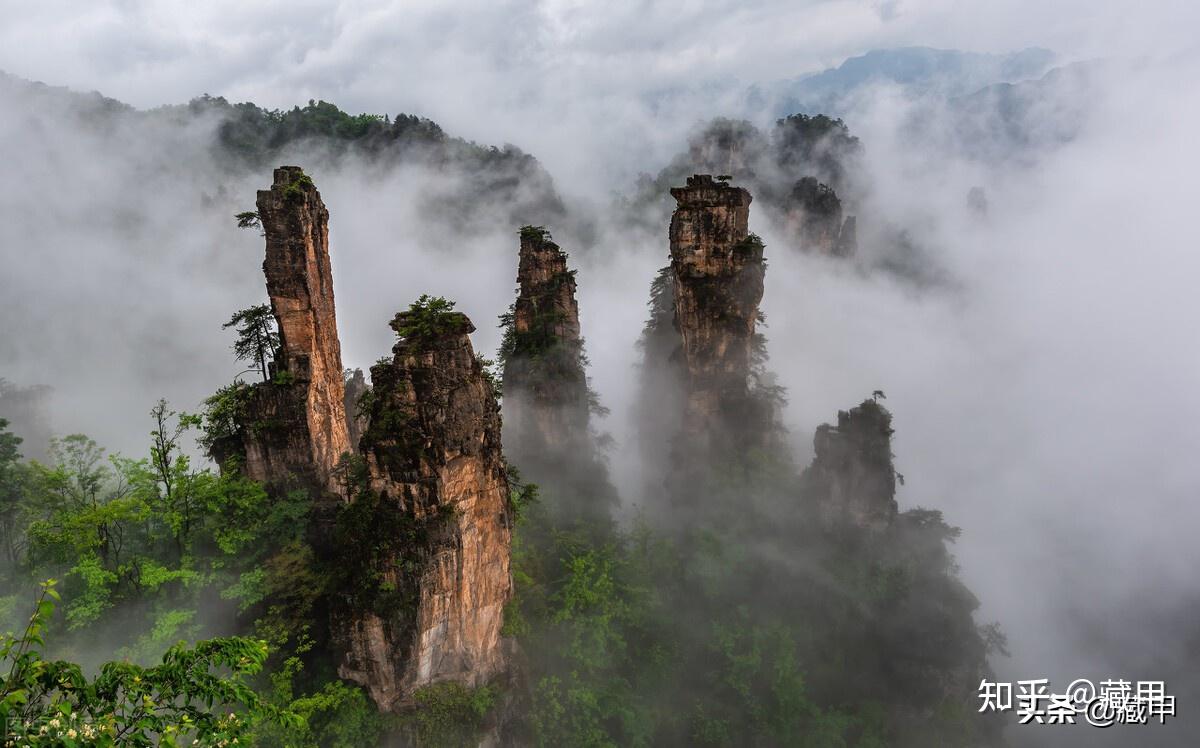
813,215
545,386
851,481
292,429
547,400
717,283
438,494
356,420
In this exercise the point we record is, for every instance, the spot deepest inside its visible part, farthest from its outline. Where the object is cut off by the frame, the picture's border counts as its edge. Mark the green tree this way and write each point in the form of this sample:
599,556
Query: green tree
258,337
248,220
14,478
173,486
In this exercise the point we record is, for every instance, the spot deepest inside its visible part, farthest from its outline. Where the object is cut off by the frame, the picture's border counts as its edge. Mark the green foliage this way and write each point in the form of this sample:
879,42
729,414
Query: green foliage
248,220
380,552
717,637
296,188
196,696
330,714
15,477
656,334
752,246
430,318
366,401
257,135
815,144
450,714
521,495
491,374
224,413
535,233
258,337
350,472
817,199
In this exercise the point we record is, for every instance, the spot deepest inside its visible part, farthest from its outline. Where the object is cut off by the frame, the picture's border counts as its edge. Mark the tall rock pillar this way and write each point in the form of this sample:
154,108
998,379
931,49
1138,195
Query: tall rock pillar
439,494
300,284
544,378
717,273
292,429
547,400
852,481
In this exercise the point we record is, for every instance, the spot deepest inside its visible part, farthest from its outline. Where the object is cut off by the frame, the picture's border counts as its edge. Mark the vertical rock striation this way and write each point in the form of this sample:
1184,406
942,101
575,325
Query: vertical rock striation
439,505
717,280
851,481
300,284
356,422
293,428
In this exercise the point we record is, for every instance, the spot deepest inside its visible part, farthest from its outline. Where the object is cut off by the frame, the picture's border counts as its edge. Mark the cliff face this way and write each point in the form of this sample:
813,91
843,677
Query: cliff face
300,284
433,457
293,428
717,283
852,480
356,422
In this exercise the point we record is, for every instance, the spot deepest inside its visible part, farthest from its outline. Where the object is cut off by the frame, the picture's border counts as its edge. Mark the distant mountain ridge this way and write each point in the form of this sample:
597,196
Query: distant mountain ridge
922,70
245,138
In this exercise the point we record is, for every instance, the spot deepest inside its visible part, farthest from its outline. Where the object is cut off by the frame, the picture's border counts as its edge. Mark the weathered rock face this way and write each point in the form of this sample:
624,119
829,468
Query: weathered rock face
545,386
814,217
294,427
852,480
433,457
717,276
300,284
356,422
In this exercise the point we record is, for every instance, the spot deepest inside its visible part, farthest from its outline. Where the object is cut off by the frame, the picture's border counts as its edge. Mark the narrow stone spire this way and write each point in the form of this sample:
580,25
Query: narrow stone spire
300,284
435,467
717,272
291,430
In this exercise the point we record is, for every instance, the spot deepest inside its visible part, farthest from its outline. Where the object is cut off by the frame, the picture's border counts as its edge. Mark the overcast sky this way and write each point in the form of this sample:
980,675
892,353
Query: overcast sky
475,66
